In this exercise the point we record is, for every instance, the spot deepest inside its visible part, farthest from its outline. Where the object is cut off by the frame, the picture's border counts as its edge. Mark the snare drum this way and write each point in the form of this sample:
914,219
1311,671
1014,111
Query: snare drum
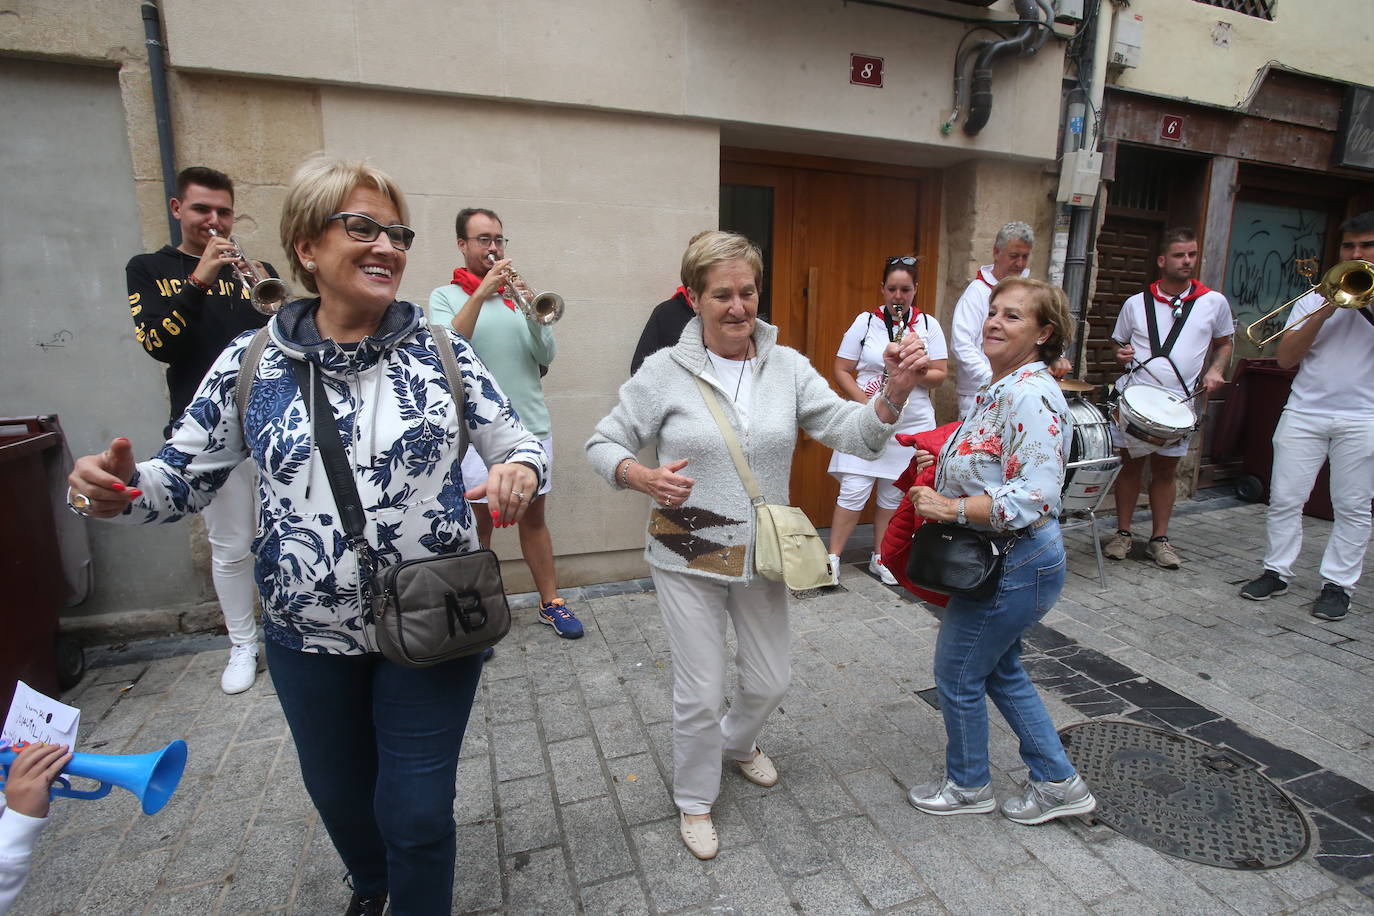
1155,415
1092,464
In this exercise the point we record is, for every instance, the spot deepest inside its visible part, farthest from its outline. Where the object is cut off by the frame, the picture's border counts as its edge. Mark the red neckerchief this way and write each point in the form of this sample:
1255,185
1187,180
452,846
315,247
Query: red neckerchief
1197,290
469,281
911,319
992,284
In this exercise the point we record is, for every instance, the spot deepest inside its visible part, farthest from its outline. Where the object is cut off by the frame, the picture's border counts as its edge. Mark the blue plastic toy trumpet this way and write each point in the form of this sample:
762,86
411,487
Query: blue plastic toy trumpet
153,777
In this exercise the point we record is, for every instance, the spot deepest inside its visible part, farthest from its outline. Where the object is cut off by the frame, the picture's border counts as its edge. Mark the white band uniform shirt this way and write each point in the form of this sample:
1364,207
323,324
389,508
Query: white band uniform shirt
865,342
1336,377
1209,319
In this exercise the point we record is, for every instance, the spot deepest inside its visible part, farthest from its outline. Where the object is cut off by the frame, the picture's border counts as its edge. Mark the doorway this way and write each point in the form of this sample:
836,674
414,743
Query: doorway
826,227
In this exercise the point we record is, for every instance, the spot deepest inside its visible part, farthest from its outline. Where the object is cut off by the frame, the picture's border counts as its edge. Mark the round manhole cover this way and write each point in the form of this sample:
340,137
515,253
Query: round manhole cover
1186,798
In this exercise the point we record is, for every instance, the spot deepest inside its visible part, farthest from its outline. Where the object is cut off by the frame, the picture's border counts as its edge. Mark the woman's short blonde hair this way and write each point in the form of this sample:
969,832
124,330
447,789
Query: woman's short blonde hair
317,191
707,249
1051,308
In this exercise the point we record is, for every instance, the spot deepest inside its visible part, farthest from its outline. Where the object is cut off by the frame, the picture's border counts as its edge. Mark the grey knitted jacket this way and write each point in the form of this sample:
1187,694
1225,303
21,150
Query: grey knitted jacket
712,534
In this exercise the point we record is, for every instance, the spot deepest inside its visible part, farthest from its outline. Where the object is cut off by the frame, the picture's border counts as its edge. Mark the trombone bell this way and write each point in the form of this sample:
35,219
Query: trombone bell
1348,285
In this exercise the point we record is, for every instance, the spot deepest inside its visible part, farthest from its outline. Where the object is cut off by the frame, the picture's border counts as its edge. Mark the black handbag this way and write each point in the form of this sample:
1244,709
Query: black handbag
430,609
956,560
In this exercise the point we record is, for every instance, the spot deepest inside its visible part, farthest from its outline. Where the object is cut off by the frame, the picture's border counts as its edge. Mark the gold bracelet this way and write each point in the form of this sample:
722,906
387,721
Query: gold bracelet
624,474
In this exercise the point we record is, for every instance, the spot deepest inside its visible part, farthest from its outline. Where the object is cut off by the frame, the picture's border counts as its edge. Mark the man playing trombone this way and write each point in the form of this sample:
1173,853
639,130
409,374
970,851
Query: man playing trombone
187,304
1329,416
484,304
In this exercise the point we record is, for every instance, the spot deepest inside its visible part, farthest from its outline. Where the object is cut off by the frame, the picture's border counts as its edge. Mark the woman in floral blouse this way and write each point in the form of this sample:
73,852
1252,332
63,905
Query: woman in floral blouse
1002,472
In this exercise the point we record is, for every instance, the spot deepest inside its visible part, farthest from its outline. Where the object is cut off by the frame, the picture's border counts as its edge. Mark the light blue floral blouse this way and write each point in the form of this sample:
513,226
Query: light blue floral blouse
1011,446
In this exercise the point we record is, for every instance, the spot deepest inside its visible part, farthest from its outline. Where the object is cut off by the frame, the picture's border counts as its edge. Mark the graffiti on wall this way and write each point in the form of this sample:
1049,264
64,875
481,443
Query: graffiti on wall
1271,246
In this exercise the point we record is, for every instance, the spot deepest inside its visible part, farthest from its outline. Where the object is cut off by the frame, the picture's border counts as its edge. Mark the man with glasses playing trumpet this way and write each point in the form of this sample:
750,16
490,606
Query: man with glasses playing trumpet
1329,416
510,328
188,302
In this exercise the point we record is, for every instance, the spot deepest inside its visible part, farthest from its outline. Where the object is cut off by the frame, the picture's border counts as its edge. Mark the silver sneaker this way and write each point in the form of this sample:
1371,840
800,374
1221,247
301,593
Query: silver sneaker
944,797
1045,801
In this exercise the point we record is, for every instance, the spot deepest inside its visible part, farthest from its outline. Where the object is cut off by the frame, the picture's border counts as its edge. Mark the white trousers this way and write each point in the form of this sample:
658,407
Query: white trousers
1302,441
230,523
694,610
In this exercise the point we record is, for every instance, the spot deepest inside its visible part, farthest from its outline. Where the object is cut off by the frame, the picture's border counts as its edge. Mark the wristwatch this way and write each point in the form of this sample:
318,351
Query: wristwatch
962,518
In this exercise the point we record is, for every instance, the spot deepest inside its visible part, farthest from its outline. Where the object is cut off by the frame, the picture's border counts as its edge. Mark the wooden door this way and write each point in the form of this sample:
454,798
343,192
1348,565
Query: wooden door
832,225
1126,251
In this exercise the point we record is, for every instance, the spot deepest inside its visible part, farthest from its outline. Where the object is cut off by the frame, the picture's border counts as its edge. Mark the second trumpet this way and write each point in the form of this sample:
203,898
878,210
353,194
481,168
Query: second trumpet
542,308
268,294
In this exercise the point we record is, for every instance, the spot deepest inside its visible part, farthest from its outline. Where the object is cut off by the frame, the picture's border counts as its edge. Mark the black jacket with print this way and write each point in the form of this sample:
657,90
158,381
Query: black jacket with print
181,325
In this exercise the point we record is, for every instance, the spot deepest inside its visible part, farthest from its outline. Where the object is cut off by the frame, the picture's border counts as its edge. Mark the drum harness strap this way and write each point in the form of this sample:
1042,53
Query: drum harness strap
1181,313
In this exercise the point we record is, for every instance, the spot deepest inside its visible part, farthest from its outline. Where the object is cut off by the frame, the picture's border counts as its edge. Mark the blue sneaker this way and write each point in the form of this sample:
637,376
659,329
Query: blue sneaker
557,615
488,653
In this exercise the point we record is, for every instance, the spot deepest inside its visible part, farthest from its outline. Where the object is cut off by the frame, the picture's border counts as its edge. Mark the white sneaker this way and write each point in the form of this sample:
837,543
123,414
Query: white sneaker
242,669
875,566
834,569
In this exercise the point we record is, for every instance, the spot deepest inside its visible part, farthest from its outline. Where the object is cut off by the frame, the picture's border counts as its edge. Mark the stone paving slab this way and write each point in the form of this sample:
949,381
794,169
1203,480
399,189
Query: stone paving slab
563,798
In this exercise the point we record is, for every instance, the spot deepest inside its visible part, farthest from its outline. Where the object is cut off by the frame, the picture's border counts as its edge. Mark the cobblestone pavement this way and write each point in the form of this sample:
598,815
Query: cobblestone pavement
563,804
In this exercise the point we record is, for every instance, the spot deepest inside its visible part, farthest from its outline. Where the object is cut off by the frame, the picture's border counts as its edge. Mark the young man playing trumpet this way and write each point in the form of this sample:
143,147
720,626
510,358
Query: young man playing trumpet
517,350
187,304
1329,416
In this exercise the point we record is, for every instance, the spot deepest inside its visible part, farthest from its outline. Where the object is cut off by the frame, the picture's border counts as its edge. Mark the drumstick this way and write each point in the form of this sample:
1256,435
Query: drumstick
1139,365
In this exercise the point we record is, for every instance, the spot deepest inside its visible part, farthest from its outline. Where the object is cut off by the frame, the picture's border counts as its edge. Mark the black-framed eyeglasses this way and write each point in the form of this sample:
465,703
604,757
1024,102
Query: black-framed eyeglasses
488,241
366,229
903,259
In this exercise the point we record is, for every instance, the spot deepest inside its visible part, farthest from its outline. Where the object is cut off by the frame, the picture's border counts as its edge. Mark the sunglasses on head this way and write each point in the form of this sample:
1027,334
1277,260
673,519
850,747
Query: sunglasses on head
904,259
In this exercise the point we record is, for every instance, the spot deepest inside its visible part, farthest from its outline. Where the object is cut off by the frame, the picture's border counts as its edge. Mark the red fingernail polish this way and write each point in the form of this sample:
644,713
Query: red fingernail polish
135,494
121,439
119,488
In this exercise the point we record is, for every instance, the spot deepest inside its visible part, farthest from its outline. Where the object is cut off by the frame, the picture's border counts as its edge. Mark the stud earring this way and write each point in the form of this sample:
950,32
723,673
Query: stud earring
310,266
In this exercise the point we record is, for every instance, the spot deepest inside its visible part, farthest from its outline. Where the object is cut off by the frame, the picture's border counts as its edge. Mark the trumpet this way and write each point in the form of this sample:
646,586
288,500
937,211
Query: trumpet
1348,285
543,309
268,294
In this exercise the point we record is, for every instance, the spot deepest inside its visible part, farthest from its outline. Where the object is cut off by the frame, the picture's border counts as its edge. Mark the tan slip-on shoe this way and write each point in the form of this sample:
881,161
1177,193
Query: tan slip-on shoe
699,836
759,769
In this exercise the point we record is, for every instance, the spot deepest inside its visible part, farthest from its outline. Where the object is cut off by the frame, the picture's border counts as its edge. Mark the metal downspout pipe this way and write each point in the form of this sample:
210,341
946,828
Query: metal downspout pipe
157,72
1026,41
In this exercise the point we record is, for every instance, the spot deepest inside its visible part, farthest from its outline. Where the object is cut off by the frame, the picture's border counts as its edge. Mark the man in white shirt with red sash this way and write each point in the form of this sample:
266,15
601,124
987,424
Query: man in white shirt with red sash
1170,335
1329,416
1010,254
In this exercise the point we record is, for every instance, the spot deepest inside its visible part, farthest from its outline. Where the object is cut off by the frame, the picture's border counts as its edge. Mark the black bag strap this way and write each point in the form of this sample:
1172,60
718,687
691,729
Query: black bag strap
1366,315
248,369
1152,322
339,471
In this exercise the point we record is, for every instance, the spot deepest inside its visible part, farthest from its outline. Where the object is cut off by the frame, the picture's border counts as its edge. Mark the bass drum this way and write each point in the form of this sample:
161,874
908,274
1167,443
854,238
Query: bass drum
1092,464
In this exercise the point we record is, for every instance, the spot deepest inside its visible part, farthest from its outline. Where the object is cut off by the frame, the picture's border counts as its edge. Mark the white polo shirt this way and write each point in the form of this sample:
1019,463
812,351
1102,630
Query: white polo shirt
1336,377
966,332
1209,319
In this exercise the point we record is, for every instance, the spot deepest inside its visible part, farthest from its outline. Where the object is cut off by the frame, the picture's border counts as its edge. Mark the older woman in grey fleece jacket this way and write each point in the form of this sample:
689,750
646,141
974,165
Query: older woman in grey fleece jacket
701,529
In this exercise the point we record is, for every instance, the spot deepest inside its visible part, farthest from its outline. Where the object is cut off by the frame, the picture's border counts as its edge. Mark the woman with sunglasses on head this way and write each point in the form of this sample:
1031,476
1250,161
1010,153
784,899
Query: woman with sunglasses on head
859,374
378,743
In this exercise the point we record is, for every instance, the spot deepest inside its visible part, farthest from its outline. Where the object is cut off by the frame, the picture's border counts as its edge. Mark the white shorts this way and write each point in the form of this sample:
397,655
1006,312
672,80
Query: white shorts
1138,448
475,469
854,490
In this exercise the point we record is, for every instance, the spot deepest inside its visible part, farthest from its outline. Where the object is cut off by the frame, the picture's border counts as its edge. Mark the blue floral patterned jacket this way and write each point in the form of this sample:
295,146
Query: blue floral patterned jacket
400,428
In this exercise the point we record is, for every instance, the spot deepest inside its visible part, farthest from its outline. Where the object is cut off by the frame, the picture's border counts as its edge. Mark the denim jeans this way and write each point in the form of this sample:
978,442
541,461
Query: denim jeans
378,745
978,655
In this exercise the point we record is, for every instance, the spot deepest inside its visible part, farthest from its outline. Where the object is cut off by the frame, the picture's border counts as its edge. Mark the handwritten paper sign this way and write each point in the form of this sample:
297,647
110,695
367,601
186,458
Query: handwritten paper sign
36,718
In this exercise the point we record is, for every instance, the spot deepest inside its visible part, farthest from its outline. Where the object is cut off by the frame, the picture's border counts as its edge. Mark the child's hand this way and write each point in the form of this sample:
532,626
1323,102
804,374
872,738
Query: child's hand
31,776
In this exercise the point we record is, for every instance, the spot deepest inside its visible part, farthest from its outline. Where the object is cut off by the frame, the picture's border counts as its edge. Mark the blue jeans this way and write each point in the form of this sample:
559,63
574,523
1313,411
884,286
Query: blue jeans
978,655
378,745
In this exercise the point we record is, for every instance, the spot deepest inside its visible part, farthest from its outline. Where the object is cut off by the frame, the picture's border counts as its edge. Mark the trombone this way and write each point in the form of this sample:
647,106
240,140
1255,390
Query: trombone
1348,285
543,309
